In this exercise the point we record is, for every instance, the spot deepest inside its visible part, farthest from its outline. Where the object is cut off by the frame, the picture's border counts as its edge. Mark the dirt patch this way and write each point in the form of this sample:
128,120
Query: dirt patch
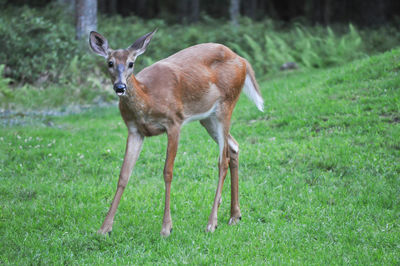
20,118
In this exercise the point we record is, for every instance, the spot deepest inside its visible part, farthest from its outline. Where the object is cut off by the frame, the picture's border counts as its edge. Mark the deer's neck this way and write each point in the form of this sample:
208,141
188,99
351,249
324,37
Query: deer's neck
136,94
136,100
136,109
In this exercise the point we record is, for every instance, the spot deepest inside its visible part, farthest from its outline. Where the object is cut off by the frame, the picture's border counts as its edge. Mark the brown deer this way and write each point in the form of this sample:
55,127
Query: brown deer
202,82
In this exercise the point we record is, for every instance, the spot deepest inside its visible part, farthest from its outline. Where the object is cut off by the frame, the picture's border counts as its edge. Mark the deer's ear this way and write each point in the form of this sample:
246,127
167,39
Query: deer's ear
139,46
99,44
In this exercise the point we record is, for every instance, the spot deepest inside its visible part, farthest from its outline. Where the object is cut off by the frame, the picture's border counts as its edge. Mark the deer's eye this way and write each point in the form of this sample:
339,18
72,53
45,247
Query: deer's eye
130,65
110,64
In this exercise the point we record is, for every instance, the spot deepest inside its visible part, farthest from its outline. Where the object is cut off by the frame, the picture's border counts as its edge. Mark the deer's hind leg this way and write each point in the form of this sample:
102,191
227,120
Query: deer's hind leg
234,168
228,147
216,128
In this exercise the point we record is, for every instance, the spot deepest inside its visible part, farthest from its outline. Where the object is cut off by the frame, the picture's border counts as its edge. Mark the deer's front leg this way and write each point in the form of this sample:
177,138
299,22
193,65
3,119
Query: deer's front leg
133,148
173,139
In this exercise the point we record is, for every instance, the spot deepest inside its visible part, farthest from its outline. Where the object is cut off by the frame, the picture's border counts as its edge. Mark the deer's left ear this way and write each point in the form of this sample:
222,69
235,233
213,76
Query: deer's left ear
140,45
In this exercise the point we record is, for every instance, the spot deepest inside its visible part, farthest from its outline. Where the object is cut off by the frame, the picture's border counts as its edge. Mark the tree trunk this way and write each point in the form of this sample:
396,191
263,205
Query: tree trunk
101,6
141,8
271,10
86,17
183,9
194,11
250,7
234,11
327,12
309,10
112,6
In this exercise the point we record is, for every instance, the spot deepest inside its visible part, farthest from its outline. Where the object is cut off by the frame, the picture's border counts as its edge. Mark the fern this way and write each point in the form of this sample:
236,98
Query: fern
241,51
4,82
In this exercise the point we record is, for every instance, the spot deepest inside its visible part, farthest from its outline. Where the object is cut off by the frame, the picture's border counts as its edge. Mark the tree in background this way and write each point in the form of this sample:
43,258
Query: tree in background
110,6
85,17
326,12
189,10
234,9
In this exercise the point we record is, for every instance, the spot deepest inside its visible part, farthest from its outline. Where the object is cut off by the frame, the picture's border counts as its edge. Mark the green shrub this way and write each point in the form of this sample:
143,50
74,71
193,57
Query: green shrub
314,47
35,46
5,91
39,46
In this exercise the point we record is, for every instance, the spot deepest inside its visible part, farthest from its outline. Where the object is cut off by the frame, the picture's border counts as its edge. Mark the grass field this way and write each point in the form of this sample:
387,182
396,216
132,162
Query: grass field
319,180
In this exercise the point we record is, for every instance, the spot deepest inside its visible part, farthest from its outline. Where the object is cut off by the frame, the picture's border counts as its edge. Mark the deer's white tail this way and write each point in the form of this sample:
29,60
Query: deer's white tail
251,88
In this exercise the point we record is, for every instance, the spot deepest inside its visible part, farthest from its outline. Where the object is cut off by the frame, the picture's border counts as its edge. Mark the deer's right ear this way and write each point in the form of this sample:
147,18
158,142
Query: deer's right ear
99,44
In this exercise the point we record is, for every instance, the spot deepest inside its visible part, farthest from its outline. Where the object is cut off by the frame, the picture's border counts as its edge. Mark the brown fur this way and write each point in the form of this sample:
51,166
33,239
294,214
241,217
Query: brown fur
171,92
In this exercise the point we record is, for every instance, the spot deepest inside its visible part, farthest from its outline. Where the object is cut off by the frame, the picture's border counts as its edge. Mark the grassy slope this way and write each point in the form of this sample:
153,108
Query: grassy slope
319,180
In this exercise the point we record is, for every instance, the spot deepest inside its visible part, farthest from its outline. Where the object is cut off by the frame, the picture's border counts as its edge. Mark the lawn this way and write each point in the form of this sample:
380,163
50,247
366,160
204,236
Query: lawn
319,180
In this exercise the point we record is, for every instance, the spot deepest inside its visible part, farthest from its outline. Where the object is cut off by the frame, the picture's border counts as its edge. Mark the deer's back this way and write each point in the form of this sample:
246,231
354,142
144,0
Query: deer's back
196,67
202,74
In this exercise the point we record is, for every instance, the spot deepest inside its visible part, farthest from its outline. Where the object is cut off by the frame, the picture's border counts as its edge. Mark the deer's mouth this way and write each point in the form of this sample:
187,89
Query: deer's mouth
120,88
120,92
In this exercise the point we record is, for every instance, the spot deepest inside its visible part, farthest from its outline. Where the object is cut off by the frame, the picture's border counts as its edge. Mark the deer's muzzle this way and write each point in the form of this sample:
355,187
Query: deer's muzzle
120,88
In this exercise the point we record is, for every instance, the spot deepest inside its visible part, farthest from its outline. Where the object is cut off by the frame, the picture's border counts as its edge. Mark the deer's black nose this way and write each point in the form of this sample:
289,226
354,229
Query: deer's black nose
120,88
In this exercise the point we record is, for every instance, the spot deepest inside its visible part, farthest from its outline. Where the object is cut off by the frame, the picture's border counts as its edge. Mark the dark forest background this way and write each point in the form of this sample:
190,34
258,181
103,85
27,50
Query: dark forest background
45,42
360,12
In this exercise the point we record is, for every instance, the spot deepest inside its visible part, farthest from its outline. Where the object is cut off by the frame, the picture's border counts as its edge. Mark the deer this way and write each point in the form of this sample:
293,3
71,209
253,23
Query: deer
199,83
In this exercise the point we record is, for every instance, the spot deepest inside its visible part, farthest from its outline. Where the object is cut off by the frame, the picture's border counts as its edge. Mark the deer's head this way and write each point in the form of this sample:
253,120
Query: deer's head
120,62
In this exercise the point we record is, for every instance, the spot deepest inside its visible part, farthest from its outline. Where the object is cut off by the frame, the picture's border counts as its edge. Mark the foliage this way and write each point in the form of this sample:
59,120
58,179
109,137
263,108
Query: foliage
5,91
36,45
39,48
319,180
309,47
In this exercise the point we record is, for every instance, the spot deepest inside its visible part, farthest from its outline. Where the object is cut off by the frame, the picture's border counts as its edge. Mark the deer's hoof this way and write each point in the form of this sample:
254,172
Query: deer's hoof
234,220
211,227
104,233
165,232
104,230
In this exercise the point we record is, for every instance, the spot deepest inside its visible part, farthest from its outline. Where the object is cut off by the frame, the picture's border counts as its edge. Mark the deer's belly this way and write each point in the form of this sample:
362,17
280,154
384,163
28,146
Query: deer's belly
201,116
146,127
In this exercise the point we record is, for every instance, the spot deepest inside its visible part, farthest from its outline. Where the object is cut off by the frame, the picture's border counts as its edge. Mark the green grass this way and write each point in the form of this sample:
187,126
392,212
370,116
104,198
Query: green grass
319,180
